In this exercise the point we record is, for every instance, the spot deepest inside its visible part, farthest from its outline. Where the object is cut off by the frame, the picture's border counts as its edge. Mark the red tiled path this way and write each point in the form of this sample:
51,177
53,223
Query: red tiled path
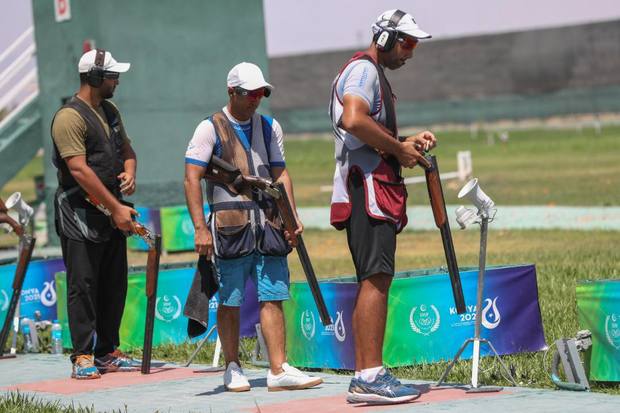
337,404
108,381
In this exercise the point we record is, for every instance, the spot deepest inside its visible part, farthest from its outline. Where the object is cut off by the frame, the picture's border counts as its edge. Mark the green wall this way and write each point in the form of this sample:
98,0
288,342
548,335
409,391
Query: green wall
180,53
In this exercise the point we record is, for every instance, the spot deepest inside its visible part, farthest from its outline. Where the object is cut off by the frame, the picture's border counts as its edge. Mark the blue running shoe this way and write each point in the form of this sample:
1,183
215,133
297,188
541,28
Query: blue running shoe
386,389
84,368
352,390
115,361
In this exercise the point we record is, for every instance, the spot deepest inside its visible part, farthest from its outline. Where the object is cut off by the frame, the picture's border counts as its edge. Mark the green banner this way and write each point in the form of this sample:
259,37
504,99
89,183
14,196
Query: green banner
598,310
170,324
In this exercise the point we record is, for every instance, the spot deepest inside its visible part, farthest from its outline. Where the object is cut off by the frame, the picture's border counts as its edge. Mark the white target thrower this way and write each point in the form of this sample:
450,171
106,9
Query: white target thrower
24,211
466,216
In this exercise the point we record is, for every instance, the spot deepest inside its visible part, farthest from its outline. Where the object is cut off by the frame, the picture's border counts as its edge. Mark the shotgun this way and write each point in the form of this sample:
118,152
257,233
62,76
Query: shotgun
152,274
225,173
438,204
140,230
26,246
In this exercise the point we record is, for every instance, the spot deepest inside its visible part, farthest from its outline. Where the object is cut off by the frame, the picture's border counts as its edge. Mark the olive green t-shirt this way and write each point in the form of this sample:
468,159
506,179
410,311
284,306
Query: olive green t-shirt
69,131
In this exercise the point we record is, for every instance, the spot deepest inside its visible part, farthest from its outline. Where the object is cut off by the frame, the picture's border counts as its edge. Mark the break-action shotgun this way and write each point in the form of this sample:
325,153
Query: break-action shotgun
26,246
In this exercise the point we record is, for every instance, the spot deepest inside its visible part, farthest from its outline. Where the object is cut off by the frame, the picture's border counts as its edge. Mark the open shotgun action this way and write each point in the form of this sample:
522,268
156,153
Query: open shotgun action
223,172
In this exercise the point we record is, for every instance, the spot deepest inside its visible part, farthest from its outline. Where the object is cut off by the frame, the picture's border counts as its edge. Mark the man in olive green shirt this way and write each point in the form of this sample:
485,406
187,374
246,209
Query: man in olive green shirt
94,157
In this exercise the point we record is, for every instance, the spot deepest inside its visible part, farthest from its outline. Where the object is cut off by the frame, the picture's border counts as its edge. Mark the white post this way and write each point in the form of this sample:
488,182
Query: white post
475,363
464,165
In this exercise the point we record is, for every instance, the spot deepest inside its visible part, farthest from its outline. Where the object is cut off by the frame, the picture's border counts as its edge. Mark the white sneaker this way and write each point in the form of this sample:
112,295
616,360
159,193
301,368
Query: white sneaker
234,379
291,379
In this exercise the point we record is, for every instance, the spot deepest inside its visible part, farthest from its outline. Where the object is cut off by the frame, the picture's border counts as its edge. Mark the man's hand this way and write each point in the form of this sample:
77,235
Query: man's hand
408,156
123,218
203,242
128,183
292,241
423,141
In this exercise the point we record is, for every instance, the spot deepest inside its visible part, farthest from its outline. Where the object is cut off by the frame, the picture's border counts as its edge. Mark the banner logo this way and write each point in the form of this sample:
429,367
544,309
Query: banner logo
308,324
423,320
48,295
168,309
4,304
612,330
187,227
490,321
339,330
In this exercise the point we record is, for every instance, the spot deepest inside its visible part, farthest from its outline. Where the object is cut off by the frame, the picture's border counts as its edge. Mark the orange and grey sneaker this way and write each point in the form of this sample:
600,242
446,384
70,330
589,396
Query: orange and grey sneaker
84,368
115,361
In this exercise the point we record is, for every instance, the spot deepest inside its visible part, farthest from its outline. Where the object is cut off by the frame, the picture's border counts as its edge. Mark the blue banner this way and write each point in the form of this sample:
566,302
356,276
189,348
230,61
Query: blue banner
38,292
423,325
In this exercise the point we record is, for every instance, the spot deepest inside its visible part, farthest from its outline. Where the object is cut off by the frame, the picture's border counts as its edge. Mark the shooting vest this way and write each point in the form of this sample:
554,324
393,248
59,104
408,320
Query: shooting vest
386,195
247,221
75,217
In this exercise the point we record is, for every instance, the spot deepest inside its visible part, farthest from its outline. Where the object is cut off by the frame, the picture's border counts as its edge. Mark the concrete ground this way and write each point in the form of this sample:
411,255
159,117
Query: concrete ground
174,389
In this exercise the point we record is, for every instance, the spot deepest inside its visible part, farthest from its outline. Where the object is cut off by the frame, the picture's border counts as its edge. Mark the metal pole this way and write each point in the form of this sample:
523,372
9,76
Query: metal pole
479,297
476,340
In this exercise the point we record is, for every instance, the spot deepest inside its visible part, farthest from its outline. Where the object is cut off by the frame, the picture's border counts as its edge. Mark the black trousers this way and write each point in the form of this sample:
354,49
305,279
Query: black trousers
96,292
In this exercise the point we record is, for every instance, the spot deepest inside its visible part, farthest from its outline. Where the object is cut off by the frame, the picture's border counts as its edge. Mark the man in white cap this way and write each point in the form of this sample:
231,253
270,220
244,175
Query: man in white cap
244,232
94,156
369,197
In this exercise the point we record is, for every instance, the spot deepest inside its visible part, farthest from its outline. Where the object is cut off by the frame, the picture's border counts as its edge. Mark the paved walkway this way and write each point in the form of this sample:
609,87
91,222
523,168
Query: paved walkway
175,389
508,217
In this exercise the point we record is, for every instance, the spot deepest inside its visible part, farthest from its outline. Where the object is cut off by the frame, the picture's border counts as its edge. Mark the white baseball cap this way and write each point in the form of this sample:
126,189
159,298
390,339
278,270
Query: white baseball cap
87,61
406,25
247,76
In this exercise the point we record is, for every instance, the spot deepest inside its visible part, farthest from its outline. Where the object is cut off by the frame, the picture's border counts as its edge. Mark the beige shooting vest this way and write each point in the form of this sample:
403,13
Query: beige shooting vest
244,222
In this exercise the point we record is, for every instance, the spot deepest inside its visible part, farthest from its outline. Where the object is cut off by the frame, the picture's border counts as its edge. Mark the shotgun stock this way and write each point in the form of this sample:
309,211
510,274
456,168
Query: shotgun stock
152,274
26,243
225,173
438,204
143,232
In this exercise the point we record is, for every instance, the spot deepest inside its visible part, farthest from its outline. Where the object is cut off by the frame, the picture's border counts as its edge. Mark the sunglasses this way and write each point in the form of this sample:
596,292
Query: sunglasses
111,75
408,43
254,94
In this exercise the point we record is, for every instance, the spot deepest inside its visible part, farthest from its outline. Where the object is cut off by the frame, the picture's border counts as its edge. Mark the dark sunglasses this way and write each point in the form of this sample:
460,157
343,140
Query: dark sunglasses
408,43
254,94
111,75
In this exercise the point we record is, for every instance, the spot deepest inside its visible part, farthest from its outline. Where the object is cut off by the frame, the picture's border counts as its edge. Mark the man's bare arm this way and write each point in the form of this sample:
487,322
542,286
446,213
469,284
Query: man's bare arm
128,177
357,121
203,241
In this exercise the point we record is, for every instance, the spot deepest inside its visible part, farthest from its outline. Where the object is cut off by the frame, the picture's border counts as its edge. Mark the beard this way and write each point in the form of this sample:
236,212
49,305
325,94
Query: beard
107,93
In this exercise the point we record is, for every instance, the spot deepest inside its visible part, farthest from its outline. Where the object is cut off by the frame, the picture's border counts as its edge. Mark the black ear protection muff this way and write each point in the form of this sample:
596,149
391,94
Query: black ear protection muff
386,38
94,76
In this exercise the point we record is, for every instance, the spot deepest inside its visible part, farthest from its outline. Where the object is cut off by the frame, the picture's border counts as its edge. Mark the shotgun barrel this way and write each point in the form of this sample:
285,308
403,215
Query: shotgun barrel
438,204
290,224
25,254
152,274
